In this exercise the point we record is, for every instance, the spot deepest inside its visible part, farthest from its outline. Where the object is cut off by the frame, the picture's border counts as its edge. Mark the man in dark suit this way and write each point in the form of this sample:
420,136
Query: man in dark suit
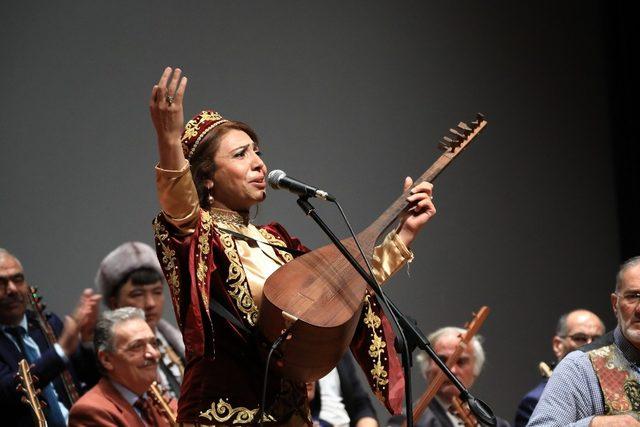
21,337
340,398
128,357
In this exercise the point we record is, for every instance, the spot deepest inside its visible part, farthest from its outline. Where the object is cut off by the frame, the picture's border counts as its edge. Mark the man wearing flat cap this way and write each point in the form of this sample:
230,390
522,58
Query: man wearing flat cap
131,276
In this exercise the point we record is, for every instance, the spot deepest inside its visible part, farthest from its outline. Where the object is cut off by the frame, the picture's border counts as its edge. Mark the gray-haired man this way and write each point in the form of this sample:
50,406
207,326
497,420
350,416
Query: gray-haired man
599,384
130,276
128,355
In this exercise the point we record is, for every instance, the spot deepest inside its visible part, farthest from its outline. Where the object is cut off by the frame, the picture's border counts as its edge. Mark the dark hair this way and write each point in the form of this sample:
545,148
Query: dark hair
139,276
202,163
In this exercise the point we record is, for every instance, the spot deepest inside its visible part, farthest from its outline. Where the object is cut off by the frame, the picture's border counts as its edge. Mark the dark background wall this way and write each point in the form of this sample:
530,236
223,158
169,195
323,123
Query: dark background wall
350,96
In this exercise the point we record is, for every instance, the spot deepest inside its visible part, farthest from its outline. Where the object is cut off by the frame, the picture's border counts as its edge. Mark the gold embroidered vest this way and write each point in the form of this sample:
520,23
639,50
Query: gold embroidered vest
620,389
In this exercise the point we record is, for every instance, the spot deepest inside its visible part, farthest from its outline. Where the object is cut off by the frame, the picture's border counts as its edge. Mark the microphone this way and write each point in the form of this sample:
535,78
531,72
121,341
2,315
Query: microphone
279,180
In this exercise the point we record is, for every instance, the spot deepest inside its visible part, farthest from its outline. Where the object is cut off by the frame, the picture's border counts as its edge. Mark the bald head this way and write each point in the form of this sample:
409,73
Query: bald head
6,255
13,289
575,329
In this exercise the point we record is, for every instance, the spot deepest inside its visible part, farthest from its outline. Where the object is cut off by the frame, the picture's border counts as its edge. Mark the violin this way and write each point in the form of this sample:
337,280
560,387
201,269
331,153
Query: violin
318,297
38,307
31,395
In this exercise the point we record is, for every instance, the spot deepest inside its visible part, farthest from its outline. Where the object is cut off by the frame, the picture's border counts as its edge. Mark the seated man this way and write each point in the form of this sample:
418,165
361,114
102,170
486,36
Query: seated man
574,330
467,368
598,384
21,337
130,276
340,399
128,355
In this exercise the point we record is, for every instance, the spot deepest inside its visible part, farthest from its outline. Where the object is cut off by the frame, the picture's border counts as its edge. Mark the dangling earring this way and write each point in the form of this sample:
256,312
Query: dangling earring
210,197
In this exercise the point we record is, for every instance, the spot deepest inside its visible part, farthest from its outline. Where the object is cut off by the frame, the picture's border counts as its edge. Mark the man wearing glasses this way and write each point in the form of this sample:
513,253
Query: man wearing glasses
128,355
575,329
599,385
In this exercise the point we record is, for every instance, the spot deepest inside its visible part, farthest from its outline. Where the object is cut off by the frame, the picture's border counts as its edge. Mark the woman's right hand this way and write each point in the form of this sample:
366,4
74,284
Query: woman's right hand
167,115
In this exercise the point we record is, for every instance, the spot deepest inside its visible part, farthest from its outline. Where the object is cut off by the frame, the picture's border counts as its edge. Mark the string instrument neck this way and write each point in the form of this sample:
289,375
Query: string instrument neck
30,396
434,385
463,412
35,301
453,144
159,399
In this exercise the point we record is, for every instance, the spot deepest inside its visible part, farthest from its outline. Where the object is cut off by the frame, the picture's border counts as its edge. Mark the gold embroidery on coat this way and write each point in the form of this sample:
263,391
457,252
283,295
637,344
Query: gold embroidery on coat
169,265
222,411
275,241
376,347
202,252
237,281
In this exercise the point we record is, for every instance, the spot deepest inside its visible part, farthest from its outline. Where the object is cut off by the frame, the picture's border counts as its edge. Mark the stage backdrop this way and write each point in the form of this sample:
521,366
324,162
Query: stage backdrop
351,97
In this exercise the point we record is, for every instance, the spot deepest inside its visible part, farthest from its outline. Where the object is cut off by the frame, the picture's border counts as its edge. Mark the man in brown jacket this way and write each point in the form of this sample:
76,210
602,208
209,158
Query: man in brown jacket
128,355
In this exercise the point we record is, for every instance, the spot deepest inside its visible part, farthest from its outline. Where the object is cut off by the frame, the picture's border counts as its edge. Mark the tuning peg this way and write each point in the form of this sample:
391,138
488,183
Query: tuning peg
464,128
457,133
34,379
24,400
19,388
479,119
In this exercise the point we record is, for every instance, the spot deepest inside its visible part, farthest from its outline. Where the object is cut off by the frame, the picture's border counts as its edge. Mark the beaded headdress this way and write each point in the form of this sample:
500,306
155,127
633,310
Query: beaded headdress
197,128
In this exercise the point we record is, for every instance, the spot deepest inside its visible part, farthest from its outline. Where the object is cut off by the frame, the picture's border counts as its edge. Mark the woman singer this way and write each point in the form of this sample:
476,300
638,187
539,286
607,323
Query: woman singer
209,176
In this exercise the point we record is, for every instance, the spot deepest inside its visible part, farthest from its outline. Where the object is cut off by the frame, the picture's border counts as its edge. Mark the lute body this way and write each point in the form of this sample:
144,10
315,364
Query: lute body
320,295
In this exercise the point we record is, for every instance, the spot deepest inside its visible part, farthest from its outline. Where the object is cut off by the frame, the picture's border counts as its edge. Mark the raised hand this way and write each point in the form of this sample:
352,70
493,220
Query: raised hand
421,210
167,115
86,313
70,337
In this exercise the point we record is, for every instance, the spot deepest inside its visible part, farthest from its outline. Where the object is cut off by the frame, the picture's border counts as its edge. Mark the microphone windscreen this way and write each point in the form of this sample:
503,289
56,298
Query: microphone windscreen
274,177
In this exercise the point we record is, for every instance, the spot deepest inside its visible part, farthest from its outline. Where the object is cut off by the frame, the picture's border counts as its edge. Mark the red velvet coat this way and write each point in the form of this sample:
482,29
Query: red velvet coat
223,376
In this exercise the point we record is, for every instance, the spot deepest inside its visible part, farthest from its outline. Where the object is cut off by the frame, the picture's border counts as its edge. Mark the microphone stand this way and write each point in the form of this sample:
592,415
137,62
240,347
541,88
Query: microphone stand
409,328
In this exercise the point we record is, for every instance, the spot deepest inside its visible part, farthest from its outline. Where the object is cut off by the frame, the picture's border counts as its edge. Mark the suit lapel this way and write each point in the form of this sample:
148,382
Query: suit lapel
126,410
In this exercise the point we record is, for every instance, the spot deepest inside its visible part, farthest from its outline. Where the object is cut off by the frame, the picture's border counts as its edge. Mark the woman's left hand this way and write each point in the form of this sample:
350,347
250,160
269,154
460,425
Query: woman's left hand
421,210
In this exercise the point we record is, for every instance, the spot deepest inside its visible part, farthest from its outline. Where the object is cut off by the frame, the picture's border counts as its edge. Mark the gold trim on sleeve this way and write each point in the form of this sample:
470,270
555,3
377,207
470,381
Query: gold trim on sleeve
169,265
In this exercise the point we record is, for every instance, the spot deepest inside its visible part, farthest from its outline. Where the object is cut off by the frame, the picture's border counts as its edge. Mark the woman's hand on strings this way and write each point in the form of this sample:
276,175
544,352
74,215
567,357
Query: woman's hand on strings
167,115
421,210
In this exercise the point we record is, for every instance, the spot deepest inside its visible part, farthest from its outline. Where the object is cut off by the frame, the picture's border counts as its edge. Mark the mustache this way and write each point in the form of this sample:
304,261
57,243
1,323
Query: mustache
11,299
149,363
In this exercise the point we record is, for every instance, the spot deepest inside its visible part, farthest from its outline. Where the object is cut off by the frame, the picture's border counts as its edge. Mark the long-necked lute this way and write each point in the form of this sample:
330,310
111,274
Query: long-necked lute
320,295
436,382
35,300
31,395
159,398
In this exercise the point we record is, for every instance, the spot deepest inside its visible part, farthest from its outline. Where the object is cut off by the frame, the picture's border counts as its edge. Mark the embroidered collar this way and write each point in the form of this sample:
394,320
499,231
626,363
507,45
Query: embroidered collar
230,217
631,353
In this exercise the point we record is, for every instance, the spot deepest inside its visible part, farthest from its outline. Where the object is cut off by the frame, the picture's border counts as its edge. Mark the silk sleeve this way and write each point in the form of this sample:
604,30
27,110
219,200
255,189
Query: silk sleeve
389,257
178,198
